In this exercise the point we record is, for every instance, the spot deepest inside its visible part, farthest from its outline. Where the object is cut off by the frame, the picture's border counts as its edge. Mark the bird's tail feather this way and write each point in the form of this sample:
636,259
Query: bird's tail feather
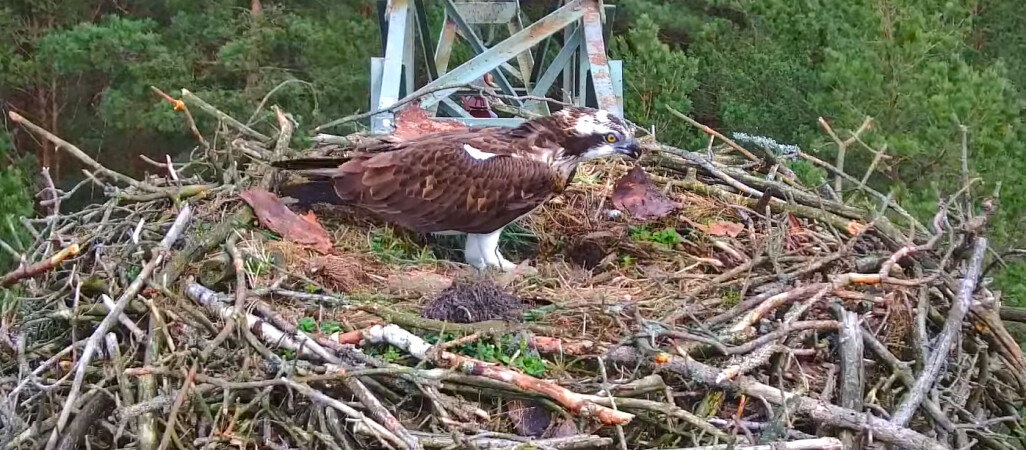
308,163
309,192
311,167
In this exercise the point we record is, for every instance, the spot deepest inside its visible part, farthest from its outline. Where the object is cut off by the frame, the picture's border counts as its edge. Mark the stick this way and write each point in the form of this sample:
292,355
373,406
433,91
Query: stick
139,334
818,411
806,444
708,165
173,414
852,371
891,202
79,154
952,327
905,375
189,97
319,397
416,346
160,252
39,267
713,132
180,105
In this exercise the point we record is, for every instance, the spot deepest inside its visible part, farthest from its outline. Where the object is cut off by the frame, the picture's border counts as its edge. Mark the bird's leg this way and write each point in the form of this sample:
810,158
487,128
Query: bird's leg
482,250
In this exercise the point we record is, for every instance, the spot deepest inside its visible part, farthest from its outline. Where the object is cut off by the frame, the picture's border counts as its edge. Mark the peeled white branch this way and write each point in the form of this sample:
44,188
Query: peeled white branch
304,346
414,345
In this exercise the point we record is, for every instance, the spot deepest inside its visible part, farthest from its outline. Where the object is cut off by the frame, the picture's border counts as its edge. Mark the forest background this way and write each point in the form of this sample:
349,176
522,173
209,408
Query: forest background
920,68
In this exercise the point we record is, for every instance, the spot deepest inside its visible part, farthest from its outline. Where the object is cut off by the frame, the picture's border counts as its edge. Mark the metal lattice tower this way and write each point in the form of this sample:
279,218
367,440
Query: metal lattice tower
580,28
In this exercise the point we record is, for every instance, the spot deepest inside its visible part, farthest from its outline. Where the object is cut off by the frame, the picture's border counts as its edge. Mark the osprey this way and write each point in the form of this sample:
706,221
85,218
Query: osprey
475,180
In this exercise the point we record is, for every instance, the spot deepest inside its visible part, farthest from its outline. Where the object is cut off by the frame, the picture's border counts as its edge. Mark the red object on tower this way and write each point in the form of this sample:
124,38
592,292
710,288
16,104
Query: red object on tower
477,105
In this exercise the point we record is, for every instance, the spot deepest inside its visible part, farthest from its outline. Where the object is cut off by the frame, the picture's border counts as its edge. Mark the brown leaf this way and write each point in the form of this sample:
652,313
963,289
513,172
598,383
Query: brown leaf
529,417
636,194
722,228
275,216
413,121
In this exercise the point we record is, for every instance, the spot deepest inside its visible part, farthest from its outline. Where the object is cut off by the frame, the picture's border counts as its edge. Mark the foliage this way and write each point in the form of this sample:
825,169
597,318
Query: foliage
658,77
666,236
15,202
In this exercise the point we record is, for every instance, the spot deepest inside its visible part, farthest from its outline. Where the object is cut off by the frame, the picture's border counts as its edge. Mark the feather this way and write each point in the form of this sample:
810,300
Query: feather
472,180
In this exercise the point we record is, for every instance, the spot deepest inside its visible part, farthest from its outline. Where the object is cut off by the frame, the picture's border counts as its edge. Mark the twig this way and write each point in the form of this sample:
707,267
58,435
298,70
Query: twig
818,411
713,132
169,429
416,346
893,204
952,327
160,252
805,444
319,397
179,105
39,267
189,97
905,375
79,154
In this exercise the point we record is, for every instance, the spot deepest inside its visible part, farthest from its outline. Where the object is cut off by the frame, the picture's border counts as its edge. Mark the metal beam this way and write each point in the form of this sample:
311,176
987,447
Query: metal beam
559,63
475,43
595,48
376,68
503,51
487,12
616,76
446,39
568,70
485,121
525,60
424,33
391,75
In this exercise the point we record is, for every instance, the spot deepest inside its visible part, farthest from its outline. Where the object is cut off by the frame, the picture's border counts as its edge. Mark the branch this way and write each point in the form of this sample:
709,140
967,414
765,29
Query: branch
79,154
39,267
160,252
420,349
189,97
952,327
818,411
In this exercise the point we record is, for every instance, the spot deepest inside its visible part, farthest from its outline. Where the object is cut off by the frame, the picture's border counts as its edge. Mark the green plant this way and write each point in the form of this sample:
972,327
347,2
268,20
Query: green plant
667,236
307,324
330,326
392,248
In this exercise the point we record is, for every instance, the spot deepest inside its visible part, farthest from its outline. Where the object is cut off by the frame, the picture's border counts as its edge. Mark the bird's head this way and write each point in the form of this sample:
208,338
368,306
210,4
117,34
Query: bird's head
595,133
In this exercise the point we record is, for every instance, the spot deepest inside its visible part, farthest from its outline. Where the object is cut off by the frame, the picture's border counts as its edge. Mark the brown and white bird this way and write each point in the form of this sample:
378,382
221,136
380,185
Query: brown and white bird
475,180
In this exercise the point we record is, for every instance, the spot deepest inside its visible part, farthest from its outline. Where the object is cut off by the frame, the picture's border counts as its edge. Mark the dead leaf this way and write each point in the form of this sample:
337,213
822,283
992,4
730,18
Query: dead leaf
529,417
722,228
413,121
275,216
635,193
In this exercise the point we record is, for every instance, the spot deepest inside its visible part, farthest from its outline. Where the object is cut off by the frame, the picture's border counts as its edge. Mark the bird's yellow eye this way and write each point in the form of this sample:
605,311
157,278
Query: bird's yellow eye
610,138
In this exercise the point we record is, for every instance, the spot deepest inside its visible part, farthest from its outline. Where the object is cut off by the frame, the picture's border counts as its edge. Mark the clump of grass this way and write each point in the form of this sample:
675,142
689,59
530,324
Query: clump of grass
667,236
392,248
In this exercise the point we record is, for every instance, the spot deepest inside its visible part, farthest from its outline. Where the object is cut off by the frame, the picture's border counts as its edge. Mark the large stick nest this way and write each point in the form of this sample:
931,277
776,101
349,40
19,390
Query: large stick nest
668,303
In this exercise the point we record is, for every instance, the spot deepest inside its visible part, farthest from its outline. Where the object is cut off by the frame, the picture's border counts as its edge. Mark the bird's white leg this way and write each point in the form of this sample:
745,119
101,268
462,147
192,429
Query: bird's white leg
472,251
483,250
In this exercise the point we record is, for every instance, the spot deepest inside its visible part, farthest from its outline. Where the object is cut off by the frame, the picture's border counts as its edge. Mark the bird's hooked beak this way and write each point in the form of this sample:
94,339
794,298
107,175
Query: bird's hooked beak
629,148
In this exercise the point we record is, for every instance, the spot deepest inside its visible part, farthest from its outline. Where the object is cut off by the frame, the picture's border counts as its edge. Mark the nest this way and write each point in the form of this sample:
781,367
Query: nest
468,301
683,301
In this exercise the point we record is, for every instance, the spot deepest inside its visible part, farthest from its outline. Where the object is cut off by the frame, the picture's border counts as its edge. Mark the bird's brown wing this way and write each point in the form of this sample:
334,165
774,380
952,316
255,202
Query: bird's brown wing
436,185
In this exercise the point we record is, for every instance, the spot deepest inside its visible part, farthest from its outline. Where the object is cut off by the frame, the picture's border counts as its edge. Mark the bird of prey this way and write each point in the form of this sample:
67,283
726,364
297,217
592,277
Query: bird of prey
475,180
